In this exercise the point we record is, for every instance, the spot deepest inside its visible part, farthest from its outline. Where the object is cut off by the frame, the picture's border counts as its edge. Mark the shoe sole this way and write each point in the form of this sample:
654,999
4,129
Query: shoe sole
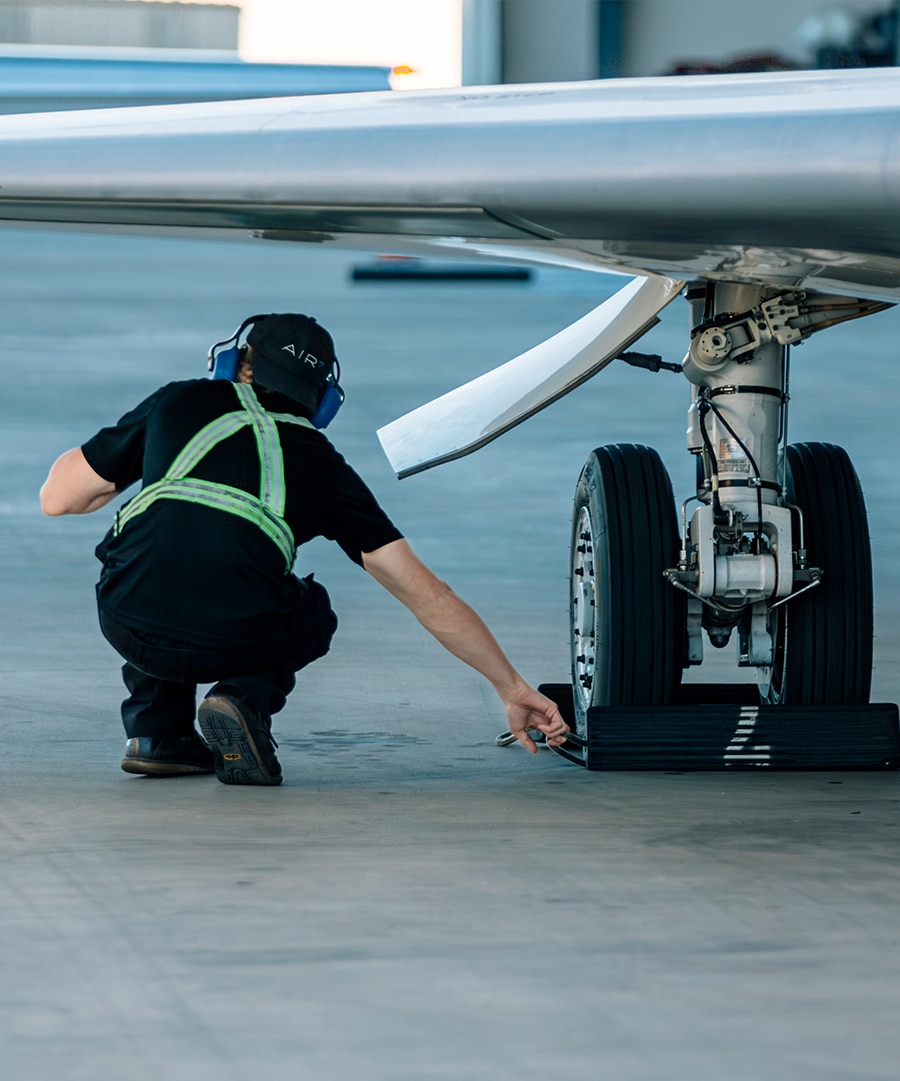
163,769
237,758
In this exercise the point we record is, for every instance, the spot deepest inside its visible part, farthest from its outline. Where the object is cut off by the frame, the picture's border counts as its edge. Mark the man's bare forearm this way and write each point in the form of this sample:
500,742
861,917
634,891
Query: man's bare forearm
462,632
445,615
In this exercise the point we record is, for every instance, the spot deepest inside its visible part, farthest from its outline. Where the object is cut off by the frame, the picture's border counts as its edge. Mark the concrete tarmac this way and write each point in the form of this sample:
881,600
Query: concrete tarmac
413,902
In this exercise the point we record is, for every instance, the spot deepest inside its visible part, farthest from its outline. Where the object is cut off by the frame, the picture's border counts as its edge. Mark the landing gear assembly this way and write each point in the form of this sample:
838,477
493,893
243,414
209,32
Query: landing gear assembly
775,551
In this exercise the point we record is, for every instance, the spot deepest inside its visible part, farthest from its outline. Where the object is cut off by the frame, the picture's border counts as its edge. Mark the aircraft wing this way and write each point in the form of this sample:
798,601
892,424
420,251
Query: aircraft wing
785,180
782,178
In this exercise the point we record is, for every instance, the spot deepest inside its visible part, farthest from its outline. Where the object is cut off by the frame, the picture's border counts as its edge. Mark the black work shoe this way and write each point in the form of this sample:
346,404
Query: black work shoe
167,756
240,739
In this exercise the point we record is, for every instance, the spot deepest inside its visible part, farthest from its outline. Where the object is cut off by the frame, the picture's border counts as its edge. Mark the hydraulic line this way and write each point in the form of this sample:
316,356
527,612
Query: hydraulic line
750,458
703,407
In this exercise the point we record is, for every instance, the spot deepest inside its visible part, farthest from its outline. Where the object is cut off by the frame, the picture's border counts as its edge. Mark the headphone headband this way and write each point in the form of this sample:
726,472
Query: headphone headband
249,321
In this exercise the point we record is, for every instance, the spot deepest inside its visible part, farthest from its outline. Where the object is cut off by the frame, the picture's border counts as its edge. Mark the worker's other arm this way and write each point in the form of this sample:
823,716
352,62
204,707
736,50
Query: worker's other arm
72,486
460,629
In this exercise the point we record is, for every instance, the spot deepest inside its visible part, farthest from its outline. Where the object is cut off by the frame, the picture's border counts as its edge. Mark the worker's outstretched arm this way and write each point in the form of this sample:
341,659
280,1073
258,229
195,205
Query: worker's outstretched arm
461,630
73,487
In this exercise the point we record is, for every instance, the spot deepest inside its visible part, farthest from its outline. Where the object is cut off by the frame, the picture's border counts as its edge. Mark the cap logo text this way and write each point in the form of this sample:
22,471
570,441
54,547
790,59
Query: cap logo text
307,358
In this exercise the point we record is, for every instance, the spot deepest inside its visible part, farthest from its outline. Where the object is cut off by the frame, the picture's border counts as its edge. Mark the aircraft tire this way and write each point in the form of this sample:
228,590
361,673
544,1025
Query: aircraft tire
627,623
823,640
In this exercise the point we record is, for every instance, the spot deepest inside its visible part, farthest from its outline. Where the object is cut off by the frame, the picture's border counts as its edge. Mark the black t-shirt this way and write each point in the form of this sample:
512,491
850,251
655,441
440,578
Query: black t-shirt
204,575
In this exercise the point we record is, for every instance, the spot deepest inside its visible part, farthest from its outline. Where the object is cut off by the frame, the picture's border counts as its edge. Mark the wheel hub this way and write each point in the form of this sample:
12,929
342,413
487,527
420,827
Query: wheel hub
583,608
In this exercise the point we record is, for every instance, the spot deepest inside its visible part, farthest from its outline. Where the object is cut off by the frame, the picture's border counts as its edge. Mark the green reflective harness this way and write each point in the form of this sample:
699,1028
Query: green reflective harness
265,510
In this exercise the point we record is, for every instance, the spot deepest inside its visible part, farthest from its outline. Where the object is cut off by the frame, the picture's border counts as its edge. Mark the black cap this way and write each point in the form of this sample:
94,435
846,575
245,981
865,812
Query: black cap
293,355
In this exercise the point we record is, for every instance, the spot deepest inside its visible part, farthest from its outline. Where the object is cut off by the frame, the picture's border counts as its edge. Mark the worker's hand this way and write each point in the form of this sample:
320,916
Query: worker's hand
528,709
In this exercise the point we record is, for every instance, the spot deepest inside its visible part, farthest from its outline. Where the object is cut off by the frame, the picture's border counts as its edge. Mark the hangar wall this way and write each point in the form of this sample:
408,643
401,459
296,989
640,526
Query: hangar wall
540,40
659,34
124,23
548,40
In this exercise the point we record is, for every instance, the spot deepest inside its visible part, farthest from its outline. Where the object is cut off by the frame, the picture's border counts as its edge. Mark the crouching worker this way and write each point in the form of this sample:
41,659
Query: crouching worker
197,584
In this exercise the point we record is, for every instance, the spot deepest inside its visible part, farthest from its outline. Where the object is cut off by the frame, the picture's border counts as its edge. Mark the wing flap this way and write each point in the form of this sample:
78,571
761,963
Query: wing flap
475,413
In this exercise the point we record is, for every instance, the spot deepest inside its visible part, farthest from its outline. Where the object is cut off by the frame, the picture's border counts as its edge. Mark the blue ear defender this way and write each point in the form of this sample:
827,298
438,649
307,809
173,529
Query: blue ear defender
224,363
331,401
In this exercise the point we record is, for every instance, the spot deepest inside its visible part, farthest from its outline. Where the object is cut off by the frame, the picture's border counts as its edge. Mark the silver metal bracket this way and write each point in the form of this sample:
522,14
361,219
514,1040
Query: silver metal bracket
786,319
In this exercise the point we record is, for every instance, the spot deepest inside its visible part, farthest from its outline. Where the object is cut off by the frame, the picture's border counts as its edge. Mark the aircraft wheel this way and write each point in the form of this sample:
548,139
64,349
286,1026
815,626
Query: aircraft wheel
823,640
627,622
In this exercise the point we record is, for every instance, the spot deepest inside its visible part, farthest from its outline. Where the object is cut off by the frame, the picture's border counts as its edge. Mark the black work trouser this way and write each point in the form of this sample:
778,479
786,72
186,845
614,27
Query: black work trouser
162,674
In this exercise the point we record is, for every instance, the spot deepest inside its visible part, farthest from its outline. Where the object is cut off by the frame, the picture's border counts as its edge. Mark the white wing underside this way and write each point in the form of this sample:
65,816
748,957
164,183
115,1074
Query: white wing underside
477,412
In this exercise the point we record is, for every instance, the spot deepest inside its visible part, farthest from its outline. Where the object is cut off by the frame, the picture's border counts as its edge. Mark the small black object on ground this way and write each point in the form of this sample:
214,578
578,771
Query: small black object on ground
425,270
